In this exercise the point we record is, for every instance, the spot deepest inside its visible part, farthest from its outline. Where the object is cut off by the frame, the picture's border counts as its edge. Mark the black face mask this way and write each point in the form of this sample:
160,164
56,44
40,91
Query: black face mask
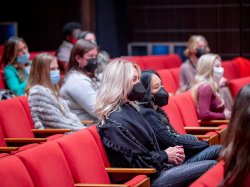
200,52
91,66
137,93
161,98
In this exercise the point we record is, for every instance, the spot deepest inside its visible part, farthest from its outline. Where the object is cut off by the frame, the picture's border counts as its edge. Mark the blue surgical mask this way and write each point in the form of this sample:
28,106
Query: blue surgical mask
23,59
54,76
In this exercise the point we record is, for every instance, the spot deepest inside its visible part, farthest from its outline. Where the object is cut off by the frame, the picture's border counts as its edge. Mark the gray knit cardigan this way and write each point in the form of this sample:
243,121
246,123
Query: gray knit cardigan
48,111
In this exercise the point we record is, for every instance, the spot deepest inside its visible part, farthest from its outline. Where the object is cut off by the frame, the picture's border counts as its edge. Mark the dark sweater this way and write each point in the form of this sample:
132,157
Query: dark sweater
167,136
130,141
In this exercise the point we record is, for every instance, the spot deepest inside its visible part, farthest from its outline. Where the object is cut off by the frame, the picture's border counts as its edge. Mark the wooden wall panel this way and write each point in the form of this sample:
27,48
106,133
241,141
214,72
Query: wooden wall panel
225,23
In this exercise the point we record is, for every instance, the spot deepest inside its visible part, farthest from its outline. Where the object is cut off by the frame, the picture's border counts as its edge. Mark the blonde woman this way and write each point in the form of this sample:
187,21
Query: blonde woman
197,46
16,63
129,139
209,102
47,108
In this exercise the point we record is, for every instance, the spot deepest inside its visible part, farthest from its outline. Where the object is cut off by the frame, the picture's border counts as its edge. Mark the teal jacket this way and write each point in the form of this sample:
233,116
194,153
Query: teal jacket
13,80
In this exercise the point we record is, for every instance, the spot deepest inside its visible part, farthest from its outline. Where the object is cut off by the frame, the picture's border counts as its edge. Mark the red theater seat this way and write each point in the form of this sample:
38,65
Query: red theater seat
230,70
47,165
168,81
33,54
85,161
16,122
236,84
13,173
171,61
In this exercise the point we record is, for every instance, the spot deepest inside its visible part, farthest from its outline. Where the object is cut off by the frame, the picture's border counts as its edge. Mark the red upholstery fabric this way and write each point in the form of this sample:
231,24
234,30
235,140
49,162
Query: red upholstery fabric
47,165
187,108
211,178
153,62
24,102
243,65
13,120
33,54
230,70
236,84
137,60
171,61
3,155
136,180
83,157
168,81
174,116
2,83
95,134
13,173
176,74
2,141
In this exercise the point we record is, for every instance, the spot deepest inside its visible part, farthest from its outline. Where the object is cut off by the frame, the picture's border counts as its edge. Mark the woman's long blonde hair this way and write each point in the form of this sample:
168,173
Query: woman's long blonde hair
204,75
40,73
117,82
192,44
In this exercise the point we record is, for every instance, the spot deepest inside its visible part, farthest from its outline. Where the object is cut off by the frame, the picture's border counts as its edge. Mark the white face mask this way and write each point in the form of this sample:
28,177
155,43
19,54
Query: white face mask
218,72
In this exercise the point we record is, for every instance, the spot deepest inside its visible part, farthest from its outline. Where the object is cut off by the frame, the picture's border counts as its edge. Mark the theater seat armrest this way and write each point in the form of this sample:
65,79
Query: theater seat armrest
213,122
50,131
131,170
87,122
7,149
193,130
201,137
101,185
25,140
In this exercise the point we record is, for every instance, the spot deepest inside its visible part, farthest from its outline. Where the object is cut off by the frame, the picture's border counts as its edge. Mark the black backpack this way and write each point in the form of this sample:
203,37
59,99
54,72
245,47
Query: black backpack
6,94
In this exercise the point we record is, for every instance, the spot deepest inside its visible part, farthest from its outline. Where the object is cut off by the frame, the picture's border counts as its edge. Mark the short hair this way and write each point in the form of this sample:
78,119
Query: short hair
69,28
40,72
192,44
115,86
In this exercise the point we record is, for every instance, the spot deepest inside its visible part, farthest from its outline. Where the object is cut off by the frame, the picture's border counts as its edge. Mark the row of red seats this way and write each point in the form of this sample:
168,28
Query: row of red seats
237,71
17,126
156,62
182,114
77,159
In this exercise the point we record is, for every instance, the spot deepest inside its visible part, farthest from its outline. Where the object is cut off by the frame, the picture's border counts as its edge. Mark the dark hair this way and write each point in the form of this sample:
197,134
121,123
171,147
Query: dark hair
69,28
146,77
236,154
80,48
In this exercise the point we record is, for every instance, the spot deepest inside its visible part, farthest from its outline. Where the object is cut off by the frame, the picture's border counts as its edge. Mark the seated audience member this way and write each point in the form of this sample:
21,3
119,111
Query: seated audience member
197,46
47,108
87,35
223,84
16,64
80,85
236,154
209,102
154,99
70,32
129,139
102,56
